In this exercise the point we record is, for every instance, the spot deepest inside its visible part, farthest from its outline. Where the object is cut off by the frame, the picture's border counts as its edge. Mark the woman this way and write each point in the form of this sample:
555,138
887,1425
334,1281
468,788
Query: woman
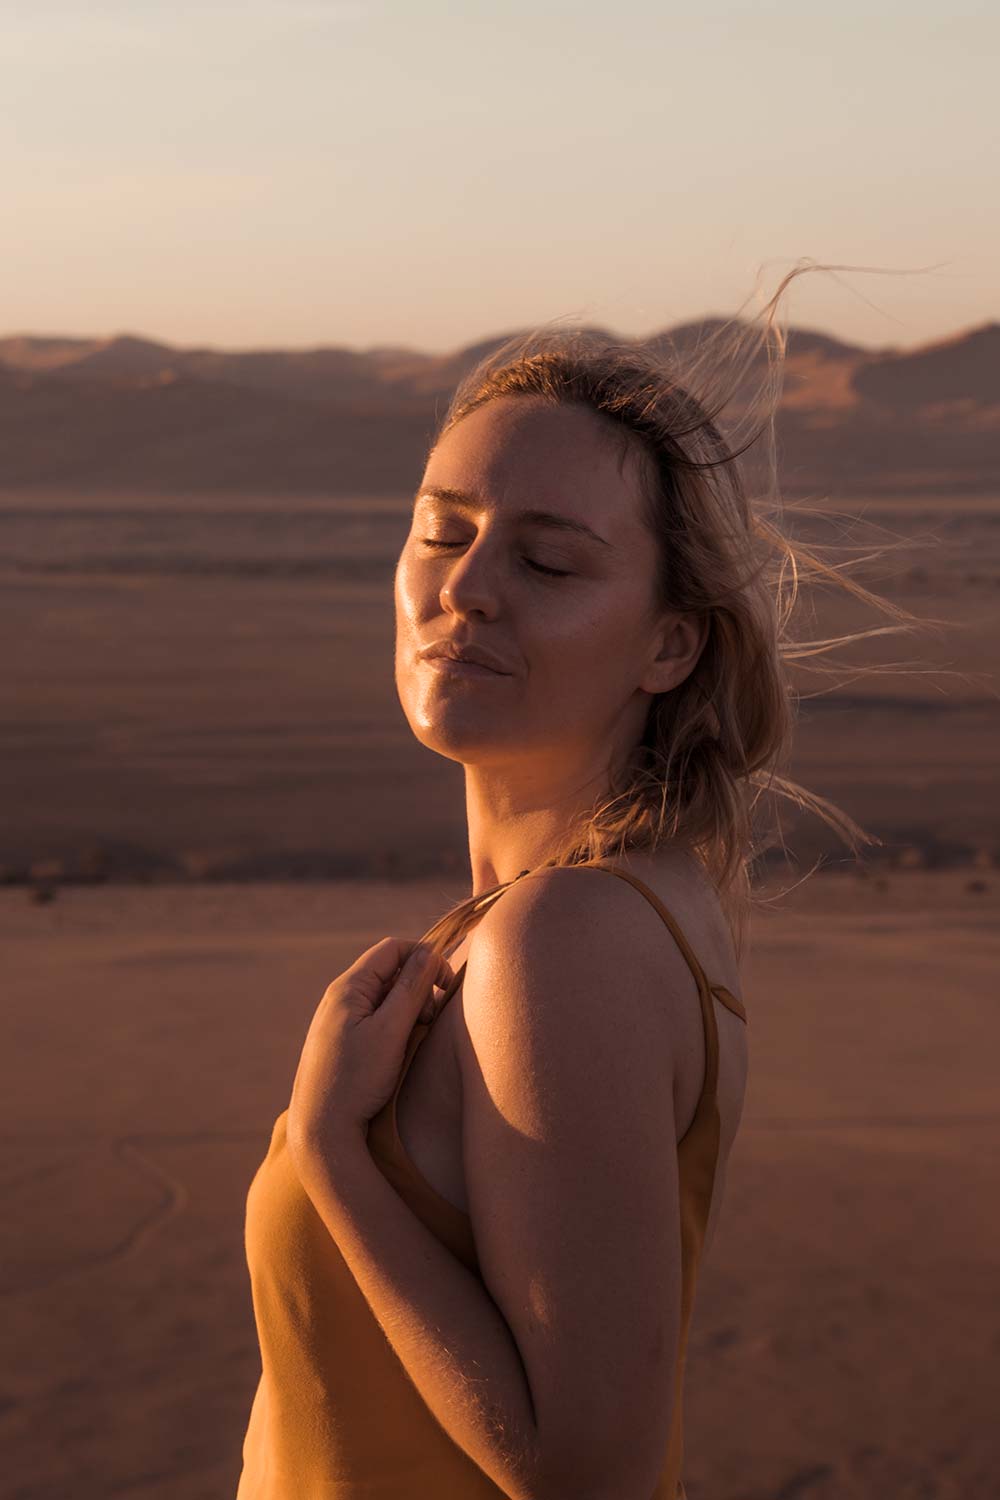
475,1239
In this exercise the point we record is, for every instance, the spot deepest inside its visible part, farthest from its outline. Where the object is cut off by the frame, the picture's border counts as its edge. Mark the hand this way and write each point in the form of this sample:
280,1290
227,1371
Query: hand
353,1052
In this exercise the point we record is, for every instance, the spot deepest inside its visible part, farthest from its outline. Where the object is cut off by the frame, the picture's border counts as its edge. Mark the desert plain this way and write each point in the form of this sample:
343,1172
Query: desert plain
213,804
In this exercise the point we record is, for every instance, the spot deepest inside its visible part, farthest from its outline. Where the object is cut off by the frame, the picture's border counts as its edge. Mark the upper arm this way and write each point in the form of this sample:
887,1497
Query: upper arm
571,1169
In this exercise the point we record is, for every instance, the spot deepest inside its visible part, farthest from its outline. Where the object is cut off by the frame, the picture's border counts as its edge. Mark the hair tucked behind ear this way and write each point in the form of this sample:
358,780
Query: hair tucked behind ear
718,742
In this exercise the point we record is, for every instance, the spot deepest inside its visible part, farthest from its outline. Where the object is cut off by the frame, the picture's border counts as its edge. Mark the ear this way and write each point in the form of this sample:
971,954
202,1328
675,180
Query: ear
678,645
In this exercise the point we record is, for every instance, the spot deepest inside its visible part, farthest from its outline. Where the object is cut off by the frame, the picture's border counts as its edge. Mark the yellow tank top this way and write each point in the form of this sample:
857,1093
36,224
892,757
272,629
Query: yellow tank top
335,1416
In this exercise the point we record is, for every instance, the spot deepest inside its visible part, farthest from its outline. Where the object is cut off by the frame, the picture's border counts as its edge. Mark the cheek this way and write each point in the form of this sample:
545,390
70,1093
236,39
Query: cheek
578,632
406,590
584,649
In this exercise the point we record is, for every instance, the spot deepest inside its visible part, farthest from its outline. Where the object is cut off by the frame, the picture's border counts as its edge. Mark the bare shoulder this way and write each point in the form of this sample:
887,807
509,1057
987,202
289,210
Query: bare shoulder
599,976
579,949
568,1050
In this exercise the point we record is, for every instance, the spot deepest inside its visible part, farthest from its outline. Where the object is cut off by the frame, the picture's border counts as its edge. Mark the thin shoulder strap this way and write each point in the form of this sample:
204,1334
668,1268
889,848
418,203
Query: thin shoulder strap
668,917
729,1000
708,1017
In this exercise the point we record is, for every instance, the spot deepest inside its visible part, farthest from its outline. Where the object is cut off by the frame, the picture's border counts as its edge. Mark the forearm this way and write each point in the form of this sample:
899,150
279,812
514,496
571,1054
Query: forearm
450,1337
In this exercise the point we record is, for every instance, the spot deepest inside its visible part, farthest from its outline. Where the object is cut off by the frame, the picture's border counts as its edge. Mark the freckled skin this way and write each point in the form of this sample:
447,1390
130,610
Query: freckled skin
585,652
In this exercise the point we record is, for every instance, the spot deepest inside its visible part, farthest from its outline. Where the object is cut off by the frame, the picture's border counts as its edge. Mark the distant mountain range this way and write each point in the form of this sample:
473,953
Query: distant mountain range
131,413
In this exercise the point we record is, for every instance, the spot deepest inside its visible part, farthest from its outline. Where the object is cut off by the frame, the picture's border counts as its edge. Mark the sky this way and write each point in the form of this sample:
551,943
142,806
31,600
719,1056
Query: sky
291,173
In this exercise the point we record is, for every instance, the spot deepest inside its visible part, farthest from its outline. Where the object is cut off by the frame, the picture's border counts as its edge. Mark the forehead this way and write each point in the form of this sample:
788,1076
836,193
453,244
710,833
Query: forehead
521,450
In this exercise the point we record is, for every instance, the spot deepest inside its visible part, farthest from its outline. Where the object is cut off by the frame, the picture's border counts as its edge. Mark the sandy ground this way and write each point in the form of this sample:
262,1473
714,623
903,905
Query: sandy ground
847,1333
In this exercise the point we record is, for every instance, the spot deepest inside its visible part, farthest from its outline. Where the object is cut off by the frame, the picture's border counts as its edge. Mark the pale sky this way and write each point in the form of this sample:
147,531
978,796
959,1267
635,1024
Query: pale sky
249,173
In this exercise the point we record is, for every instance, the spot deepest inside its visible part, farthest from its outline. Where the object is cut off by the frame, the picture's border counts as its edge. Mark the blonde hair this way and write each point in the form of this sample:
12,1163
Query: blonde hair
716,743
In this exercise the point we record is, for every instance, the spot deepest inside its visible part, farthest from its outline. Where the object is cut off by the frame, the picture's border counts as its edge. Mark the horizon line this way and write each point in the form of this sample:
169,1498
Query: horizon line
128,335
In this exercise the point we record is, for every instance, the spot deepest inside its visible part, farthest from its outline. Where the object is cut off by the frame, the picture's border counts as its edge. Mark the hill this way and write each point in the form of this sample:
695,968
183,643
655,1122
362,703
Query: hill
132,413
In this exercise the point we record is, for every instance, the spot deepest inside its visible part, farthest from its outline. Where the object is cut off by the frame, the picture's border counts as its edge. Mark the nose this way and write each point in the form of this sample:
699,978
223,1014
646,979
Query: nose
470,585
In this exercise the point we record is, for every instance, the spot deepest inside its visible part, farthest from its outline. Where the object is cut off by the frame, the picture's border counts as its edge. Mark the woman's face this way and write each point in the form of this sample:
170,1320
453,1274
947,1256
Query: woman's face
579,649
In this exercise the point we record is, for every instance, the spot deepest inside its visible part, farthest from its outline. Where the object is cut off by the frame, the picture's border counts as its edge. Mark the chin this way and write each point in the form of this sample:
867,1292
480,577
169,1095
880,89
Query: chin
457,742
458,731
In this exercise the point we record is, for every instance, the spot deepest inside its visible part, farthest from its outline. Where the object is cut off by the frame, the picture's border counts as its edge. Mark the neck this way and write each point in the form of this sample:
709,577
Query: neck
517,819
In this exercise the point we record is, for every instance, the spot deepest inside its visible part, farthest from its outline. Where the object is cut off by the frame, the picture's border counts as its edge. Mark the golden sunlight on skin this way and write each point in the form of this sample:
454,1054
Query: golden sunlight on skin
582,651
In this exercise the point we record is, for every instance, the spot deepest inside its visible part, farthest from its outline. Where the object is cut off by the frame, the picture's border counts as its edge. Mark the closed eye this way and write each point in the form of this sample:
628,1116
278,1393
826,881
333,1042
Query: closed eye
427,541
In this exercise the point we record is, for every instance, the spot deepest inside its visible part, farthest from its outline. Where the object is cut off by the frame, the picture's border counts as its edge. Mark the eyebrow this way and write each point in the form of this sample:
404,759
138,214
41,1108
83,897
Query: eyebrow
534,517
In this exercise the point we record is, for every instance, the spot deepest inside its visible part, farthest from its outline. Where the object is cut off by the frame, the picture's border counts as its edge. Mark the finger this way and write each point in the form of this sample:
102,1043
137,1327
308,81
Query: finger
397,959
435,1001
445,973
381,965
385,959
411,993
390,949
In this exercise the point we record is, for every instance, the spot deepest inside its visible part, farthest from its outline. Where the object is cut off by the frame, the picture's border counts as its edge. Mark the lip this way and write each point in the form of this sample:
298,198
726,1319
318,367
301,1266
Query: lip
456,653
453,668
